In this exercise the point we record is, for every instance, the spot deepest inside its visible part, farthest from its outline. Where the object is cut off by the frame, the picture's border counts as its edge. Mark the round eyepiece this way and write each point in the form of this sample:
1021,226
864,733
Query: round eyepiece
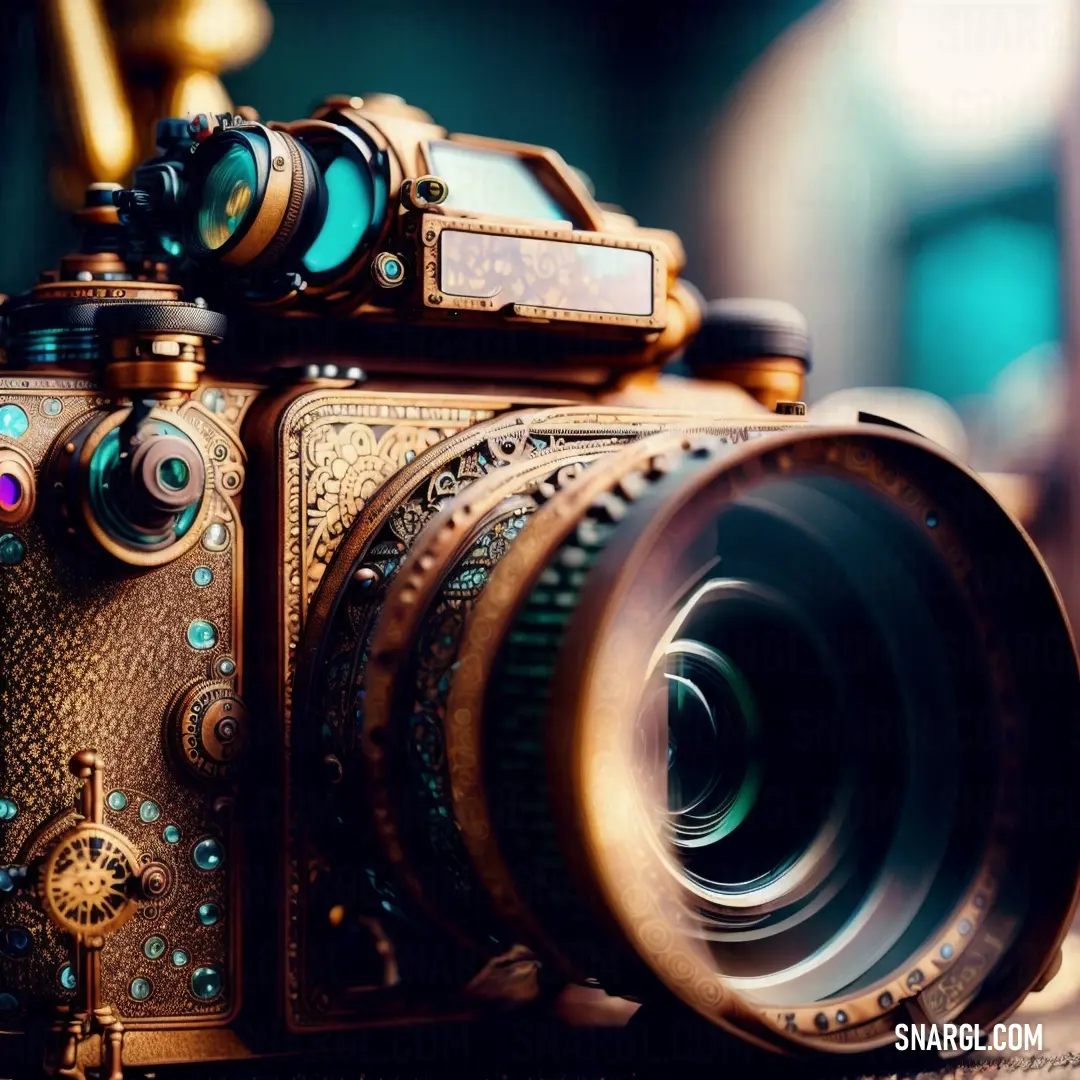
309,198
228,196
355,173
254,196
168,473
142,491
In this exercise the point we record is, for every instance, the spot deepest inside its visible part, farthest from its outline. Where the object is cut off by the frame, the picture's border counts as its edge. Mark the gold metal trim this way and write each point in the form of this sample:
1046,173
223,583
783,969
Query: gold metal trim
271,211
433,298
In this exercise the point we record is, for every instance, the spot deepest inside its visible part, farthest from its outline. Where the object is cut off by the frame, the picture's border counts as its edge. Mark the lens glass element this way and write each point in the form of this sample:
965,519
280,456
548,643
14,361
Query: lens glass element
10,492
713,766
228,196
173,474
802,729
349,209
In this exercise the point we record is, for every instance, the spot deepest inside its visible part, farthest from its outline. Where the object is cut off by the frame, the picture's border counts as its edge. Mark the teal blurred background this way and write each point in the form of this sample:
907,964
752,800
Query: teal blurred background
895,178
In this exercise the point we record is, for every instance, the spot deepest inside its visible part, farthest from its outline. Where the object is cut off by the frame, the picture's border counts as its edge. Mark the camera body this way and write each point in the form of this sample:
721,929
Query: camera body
254,585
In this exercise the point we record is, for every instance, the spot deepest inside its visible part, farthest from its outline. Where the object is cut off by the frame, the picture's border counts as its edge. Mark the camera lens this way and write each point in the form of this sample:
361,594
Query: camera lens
355,172
350,206
713,748
765,712
310,198
254,199
730,761
228,195
742,723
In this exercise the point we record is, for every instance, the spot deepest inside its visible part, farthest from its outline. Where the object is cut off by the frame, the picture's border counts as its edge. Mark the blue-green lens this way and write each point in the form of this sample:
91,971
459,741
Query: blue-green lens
349,206
228,196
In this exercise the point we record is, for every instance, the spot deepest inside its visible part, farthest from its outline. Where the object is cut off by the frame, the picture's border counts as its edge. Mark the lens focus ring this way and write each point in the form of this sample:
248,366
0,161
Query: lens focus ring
118,317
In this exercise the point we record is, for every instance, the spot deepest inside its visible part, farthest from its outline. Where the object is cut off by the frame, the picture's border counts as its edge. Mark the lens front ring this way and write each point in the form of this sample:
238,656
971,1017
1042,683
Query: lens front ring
600,664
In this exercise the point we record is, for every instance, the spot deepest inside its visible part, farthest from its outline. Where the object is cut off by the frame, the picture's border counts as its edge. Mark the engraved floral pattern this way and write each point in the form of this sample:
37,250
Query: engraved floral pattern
346,463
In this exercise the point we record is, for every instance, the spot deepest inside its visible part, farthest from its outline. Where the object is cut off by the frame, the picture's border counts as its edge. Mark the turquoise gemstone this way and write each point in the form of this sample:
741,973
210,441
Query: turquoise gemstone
12,550
140,989
179,958
154,948
208,854
7,882
931,520
8,809
206,983
202,576
13,421
214,400
16,942
67,977
149,811
51,406
170,834
173,474
117,801
8,1003
208,914
201,635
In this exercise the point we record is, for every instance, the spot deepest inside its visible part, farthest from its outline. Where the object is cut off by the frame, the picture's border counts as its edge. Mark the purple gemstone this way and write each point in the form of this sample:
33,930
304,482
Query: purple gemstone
10,492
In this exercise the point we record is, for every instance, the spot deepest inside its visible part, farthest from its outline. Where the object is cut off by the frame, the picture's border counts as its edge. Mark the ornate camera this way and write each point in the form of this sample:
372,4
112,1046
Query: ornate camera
423,645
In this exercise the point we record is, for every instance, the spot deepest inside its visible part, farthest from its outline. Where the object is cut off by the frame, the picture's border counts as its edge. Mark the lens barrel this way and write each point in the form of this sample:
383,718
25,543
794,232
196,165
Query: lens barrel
308,198
746,723
254,195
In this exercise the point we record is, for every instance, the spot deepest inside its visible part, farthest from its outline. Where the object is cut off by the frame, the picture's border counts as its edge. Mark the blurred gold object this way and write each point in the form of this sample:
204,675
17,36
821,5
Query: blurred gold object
211,35
119,66
94,109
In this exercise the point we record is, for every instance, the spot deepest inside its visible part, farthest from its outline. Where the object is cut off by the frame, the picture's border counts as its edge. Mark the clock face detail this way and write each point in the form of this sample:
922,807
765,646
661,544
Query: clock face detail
86,881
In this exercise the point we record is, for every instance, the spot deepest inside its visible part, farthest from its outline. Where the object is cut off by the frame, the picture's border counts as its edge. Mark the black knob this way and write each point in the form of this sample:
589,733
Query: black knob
173,133
735,330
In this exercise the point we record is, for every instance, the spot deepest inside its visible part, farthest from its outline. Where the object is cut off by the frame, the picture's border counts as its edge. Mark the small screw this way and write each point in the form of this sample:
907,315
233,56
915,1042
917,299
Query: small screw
423,192
226,730
279,163
432,189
